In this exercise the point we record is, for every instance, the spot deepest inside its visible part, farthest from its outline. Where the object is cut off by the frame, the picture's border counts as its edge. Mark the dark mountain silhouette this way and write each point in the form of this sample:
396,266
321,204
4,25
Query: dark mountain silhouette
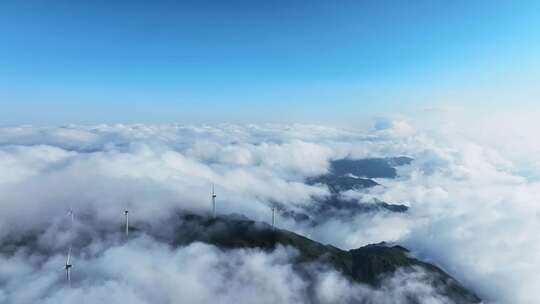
367,265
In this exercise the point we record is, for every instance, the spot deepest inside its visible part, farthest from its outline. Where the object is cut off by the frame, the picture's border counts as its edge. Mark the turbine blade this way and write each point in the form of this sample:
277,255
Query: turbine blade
68,256
71,215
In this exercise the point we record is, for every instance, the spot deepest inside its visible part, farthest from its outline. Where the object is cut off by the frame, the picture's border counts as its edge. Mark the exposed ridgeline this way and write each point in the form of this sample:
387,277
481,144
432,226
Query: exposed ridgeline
367,265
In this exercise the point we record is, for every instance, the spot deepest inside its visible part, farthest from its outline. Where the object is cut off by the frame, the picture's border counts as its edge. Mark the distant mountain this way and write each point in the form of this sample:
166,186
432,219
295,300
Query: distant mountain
341,183
369,167
336,207
367,265
344,176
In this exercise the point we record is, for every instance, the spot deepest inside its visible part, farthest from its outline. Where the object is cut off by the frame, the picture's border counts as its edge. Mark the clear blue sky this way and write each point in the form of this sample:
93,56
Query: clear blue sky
260,61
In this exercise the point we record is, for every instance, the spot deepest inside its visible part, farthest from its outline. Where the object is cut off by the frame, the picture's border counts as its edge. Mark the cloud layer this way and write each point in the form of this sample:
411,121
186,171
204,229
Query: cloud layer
474,208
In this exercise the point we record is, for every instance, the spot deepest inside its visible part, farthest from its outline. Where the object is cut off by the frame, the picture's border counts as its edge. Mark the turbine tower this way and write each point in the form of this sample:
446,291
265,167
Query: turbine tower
71,215
68,266
126,213
273,217
213,202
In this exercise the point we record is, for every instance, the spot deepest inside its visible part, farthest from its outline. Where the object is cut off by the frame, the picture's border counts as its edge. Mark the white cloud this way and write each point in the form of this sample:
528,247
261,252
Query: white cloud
393,128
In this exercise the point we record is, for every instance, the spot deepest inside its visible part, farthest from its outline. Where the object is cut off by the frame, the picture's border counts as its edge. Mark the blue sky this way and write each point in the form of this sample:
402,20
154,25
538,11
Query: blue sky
261,61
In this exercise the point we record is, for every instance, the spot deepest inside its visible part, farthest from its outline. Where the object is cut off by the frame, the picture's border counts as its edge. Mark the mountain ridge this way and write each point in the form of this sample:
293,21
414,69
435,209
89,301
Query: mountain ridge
366,265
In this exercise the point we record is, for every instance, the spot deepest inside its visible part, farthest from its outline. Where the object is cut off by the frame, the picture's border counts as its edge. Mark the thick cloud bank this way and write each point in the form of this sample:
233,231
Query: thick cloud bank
472,193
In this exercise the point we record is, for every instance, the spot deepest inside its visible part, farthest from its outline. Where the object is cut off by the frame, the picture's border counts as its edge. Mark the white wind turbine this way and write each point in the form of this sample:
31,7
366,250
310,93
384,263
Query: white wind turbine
273,217
213,201
68,266
126,214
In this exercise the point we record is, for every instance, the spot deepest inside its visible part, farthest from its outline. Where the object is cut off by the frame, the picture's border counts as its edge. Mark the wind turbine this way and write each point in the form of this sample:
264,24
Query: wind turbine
213,202
273,217
68,266
126,213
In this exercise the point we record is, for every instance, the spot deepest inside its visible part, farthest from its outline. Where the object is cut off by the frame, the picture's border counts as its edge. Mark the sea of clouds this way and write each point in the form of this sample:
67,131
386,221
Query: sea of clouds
473,192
